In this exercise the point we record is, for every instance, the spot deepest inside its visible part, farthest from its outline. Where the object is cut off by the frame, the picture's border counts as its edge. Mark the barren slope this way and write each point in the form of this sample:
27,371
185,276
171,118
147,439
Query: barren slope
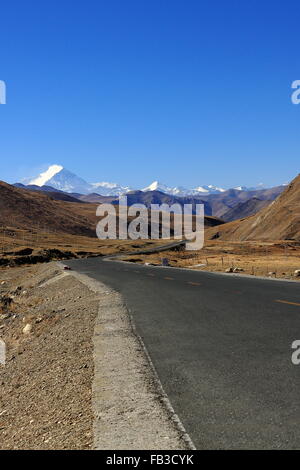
279,221
25,209
245,209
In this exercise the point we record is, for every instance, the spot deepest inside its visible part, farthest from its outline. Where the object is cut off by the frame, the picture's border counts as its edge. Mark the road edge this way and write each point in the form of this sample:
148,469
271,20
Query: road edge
164,397
152,375
215,273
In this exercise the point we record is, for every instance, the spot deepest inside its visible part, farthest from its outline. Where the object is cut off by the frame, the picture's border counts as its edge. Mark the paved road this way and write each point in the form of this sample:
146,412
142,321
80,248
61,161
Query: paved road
222,348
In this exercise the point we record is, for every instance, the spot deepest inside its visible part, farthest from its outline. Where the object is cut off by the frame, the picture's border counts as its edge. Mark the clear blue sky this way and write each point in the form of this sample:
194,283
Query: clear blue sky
188,92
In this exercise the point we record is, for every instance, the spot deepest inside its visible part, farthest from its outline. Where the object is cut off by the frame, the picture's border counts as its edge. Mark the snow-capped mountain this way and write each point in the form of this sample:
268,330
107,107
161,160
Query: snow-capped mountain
210,189
157,186
46,176
255,188
181,191
58,177
62,179
109,189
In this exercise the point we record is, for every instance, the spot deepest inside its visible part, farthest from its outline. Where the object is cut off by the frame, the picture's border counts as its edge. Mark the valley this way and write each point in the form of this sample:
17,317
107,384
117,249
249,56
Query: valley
42,224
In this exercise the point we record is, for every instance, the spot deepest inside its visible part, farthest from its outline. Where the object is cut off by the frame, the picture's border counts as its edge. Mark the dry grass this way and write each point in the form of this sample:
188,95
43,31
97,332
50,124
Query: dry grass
254,258
12,239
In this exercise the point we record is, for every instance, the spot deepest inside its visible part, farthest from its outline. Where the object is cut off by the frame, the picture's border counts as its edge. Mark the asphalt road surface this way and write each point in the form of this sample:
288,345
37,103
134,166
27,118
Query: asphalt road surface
221,346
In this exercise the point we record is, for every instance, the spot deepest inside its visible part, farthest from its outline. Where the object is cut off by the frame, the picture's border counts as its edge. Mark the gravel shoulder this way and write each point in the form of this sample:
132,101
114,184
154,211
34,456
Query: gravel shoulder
45,397
76,375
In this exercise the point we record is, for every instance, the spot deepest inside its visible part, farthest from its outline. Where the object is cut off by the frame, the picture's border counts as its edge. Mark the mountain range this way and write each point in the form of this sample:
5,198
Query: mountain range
61,179
265,214
227,204
50,212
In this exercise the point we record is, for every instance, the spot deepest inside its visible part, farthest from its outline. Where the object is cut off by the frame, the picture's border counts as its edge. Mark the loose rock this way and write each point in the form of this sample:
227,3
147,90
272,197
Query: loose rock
27,329
229,270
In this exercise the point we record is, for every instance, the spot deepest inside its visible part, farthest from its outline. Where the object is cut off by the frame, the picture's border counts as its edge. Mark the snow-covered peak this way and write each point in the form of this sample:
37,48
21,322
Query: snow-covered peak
208,189
153,186
110,189
176,191
201,189
62,179
212,189
44,177
156,186
254,188
181,191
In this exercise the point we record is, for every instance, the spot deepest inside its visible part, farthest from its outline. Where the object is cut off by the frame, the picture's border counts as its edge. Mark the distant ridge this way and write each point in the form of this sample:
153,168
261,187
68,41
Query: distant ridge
218,204
61,179
245,209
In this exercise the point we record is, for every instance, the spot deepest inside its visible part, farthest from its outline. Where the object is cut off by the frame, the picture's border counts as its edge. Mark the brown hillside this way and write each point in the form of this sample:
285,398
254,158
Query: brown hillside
279,221
245,209
25,209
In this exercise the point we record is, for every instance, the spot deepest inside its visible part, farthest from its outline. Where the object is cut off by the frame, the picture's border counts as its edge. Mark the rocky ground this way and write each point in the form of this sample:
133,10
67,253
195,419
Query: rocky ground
47,322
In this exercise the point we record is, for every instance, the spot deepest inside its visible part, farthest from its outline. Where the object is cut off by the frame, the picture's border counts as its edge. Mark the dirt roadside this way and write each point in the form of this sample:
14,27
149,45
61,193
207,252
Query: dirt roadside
264,259
76,376
45,395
